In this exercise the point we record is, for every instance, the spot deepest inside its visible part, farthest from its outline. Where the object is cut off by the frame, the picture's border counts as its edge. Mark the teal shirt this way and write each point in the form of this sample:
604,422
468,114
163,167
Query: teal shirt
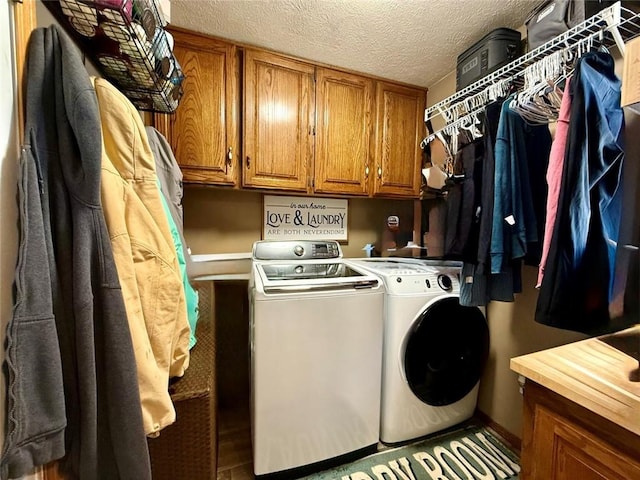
190,294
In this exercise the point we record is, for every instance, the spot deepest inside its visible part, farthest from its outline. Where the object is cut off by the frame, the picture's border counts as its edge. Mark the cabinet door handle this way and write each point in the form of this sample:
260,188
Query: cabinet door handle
248,161
379,172
227,164
366,171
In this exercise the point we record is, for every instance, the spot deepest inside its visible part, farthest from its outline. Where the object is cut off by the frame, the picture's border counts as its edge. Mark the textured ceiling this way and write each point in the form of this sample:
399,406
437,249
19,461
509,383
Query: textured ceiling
413,41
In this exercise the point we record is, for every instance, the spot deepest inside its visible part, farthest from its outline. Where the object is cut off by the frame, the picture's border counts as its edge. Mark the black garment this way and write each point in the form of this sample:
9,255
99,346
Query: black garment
479,285
574,294
477,289
490,128
453,202
461,199
538,150
470,248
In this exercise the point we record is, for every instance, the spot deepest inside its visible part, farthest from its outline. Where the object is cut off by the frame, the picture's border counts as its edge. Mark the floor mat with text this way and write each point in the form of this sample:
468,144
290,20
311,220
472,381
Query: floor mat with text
469,453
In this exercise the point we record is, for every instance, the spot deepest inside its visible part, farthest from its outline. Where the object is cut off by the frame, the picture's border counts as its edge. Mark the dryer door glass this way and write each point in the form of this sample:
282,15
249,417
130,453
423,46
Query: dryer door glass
446,351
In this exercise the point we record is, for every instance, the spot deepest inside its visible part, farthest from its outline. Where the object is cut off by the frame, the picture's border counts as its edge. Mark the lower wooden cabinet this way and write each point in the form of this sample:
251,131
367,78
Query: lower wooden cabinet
565,441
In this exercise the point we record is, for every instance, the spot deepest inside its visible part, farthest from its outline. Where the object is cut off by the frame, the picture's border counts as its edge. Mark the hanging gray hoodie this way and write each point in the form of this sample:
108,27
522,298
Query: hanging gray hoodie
104,438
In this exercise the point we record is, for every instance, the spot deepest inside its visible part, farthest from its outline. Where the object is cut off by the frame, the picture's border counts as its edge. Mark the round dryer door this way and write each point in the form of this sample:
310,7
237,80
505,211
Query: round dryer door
445,351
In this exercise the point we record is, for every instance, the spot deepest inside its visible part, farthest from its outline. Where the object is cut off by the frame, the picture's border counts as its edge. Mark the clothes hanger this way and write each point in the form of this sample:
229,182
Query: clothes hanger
472,126
539,101
446,168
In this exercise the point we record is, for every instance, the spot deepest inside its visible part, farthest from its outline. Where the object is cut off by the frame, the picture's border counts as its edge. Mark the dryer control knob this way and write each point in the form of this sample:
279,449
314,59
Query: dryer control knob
445,282
298,250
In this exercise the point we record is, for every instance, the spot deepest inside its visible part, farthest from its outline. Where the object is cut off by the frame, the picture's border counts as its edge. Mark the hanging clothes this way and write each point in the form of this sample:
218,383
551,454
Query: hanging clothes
145,255
470,247
461,198
538,146
104,438
576,286
34,367
521,158
170,177
554,174
479,285
170,185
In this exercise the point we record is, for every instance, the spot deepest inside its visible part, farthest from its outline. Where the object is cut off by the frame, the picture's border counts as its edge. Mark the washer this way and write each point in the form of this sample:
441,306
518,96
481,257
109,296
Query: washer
316,355
434,348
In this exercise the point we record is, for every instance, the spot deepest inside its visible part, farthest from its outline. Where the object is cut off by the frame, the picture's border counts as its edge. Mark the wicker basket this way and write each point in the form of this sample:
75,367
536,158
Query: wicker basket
187,450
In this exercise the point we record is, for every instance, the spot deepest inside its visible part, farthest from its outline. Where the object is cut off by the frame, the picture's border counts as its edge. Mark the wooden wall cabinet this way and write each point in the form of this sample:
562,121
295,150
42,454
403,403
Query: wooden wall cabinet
399,131
344,138
564,441
204,130
279,101
314,129
306,128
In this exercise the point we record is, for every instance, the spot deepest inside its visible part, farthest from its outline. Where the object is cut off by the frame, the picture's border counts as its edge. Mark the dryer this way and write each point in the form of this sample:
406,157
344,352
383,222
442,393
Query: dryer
434,349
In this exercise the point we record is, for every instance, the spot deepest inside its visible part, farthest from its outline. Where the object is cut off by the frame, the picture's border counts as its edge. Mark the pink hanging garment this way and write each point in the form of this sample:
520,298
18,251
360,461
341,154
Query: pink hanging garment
554,175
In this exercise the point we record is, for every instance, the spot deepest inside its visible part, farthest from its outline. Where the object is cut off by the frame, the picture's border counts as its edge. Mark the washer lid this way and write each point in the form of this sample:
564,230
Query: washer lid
445,352
311,276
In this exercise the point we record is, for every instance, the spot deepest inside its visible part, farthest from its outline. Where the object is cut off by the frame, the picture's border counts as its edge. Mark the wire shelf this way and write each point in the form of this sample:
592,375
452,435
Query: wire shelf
611,26
130,46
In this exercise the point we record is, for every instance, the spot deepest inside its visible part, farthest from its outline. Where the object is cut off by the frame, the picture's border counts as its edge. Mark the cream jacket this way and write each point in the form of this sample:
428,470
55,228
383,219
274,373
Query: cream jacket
144,254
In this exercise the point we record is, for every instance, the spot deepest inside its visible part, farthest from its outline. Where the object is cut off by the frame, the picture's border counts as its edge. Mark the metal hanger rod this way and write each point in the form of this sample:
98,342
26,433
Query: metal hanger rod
616,23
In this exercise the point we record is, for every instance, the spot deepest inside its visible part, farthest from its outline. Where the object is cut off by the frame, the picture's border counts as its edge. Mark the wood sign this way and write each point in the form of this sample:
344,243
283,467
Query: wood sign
304,218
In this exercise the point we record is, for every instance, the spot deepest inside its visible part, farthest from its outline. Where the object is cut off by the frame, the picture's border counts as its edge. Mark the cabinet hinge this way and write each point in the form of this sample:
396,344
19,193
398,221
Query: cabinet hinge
521,384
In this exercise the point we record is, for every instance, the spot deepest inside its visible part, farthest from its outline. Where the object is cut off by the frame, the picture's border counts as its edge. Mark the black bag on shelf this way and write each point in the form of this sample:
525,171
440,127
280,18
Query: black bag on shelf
554,17
494,50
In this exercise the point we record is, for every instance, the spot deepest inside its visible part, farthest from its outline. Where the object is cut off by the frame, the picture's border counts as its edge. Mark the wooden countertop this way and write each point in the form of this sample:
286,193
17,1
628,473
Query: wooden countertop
593,374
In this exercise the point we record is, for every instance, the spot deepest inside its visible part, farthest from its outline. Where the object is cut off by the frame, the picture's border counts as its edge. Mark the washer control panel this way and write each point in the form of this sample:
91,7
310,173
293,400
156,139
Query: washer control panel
296,250
415,276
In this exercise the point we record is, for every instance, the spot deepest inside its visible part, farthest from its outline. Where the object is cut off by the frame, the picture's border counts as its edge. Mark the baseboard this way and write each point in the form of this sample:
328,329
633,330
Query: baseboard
512,440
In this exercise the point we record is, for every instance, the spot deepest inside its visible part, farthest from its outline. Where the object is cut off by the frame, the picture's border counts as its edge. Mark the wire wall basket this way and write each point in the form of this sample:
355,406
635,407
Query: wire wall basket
128,42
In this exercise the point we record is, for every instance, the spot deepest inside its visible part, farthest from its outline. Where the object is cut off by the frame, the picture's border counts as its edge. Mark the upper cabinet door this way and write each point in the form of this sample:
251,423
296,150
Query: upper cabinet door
278,122
204,129
400,130
344,153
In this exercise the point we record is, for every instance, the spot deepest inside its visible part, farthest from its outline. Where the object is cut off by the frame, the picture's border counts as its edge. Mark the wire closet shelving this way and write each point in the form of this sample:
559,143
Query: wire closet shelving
612,26
129,45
